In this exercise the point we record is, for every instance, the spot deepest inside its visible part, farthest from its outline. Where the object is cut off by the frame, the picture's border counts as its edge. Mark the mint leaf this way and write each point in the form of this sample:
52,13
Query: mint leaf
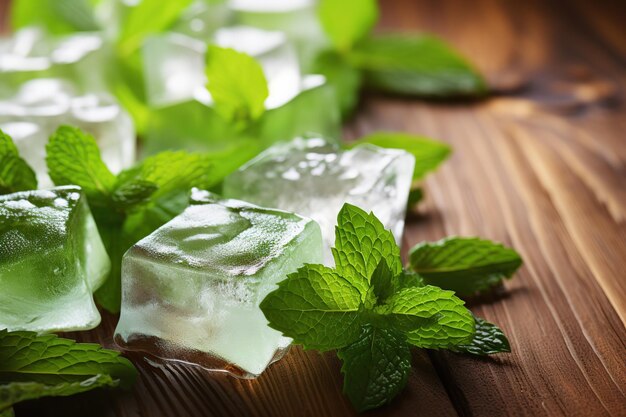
145,18
428,153
347,21
316,307
417,306
464,265
415,65
133,192
15,392
73,157
32,366
7,412
375,367
488,339
170,171
361,242
342,76
57,17
15,173
382,282
236,83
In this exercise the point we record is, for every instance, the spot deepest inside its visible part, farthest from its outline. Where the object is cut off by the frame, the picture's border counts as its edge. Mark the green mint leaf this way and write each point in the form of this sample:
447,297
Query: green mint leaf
488,339
375,367
348,21
361,242
415,65
416,307
316,307
73,157
408,279
15,392
146,18
382,282
15,173
236,83
342,76
428,153
34,365
56,17
133,192
464,265
7,412
170,171
415,196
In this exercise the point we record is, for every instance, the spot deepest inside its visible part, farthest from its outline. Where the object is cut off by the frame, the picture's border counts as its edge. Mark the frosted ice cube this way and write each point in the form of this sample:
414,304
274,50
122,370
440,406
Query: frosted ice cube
31,53
314,178
41,105
191,290
51,261
174,65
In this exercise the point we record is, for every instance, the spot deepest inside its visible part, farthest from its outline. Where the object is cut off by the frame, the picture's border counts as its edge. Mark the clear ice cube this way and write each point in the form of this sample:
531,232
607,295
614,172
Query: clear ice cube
51,261
182,115
174,65
296,18
41,106
191,290
314,178
31,53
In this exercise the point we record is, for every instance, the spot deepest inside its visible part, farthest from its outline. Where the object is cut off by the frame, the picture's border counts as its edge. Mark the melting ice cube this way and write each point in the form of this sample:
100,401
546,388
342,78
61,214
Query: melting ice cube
314,178
191,289
51,261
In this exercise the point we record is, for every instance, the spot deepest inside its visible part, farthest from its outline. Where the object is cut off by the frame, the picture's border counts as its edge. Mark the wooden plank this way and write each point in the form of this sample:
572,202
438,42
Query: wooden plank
541,167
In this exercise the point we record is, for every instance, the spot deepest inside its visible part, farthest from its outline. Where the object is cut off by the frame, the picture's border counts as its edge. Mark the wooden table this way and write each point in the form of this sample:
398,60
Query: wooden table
539,166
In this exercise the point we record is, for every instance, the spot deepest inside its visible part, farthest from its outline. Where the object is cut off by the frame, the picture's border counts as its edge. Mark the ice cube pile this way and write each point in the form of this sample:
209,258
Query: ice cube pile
191,289
51,261
315,178
41,105
182,106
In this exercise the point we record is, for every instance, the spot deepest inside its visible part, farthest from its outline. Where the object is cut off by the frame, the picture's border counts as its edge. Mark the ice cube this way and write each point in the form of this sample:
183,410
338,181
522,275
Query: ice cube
30,53
41,105
191,290
174,65
51,261
296,18
314,178
182,113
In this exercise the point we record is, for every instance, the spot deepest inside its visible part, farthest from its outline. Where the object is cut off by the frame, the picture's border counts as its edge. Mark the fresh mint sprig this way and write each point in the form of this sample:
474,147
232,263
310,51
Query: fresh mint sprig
15,173
371,311
132,204
34,366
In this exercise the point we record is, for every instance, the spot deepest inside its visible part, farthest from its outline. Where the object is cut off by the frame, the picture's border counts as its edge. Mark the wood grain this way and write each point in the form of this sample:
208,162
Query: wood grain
540,166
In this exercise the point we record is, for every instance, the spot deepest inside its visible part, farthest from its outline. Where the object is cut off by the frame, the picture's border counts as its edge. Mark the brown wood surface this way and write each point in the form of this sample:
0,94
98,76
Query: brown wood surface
539,166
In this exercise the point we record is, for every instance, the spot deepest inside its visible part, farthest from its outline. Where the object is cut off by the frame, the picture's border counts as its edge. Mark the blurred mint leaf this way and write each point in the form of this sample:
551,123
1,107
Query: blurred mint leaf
342,76
237,84
415,65
316,307
488,339
464,265
146,18
375,367
15,173
73,157
428,153
55,16
348,21
33,366
133,192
